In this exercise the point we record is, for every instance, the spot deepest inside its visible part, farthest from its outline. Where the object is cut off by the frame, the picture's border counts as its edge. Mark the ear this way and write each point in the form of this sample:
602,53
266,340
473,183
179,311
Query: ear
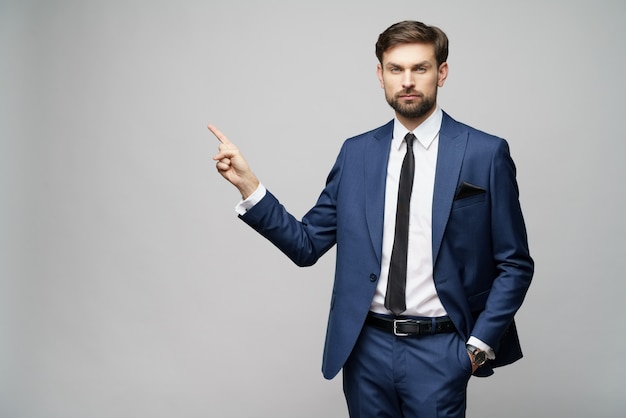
442,74
379,73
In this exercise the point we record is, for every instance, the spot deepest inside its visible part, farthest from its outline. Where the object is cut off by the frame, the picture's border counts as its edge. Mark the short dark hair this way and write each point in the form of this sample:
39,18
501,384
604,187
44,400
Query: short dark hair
410,31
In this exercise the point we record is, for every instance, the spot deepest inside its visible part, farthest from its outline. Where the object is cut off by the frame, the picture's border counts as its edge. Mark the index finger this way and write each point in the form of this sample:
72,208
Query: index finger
218,134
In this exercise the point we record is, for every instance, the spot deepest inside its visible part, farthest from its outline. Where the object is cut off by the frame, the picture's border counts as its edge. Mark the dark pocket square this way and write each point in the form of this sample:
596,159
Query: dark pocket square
467,190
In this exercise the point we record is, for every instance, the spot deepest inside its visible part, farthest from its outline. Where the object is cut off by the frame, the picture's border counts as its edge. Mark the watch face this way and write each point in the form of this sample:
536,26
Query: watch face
480,357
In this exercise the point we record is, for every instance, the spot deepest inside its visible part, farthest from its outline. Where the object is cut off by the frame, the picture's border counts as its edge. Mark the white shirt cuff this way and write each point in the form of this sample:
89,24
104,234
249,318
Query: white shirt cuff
478,343
245,205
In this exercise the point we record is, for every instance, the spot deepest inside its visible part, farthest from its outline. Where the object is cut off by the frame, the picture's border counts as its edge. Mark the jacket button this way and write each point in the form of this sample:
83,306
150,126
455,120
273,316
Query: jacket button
373,277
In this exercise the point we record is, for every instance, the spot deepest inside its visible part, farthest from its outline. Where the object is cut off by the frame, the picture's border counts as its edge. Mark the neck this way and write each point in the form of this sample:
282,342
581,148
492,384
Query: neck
412,123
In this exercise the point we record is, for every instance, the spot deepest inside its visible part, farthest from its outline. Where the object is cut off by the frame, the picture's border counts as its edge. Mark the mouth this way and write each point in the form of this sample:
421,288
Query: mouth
409,96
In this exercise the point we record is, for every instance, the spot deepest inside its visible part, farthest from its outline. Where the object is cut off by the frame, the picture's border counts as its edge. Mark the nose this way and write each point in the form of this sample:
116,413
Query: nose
407,80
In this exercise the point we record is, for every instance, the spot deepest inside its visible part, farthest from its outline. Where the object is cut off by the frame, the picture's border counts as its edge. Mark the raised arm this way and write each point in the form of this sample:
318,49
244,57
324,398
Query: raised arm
232,166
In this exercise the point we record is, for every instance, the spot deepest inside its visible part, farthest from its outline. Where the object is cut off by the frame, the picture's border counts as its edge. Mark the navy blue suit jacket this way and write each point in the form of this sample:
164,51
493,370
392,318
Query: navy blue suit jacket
482,267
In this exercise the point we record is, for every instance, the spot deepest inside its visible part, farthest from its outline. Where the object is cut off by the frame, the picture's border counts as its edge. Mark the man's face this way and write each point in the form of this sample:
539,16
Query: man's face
410,76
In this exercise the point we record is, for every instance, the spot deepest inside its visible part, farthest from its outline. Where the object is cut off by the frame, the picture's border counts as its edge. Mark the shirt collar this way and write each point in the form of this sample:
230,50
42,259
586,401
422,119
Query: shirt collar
425,133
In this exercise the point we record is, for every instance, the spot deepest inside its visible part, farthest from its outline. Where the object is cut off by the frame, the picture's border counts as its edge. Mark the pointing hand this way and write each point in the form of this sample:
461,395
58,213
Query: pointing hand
232,166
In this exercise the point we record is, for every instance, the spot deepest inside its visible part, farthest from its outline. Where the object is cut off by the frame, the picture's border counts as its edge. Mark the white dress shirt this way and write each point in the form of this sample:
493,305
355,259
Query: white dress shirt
421,295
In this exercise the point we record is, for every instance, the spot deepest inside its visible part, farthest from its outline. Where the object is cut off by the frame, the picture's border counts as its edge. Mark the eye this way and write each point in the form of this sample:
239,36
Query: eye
394,70
421,69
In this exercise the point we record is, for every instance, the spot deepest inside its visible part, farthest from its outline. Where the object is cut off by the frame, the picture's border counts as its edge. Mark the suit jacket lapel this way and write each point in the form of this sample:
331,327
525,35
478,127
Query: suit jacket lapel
375,165
452,143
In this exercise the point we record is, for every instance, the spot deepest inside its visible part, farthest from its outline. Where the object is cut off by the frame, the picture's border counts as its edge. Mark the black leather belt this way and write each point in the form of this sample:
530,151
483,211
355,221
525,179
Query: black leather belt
405,327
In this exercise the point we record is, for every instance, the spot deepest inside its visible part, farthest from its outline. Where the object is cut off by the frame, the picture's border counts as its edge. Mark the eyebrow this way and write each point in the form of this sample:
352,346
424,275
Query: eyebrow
424,63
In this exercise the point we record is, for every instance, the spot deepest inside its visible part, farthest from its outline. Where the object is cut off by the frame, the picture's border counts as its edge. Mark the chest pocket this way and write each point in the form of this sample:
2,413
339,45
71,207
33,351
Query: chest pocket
469,201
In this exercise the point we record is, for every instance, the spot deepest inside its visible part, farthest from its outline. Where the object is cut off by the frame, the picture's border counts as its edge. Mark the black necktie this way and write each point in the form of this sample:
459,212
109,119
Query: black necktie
395,299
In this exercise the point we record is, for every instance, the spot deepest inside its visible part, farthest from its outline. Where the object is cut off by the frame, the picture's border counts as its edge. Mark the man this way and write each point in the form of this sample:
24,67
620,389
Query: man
432,255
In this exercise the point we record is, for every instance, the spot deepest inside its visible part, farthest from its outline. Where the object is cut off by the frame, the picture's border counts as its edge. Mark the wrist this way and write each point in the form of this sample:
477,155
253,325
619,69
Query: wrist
477,356
248,186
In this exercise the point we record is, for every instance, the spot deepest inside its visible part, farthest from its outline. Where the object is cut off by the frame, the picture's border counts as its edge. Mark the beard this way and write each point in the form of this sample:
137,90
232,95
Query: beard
416,109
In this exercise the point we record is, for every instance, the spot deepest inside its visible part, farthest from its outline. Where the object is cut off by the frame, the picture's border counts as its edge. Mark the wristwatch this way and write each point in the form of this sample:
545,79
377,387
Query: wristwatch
479,357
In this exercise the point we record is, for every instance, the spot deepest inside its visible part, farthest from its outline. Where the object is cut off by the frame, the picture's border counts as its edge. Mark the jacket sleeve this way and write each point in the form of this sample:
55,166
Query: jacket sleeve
305,241
510,252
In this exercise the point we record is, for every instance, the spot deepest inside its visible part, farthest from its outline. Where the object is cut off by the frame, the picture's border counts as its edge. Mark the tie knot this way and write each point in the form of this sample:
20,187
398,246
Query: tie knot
409,139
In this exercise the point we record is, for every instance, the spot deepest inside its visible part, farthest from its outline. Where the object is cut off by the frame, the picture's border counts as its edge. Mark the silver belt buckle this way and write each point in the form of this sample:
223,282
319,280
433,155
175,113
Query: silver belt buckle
401,321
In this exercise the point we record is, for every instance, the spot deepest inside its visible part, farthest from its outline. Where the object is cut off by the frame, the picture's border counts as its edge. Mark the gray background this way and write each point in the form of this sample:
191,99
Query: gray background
130,289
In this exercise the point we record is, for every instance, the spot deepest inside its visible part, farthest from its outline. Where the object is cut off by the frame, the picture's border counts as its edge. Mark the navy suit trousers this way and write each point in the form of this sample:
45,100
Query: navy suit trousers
407,377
